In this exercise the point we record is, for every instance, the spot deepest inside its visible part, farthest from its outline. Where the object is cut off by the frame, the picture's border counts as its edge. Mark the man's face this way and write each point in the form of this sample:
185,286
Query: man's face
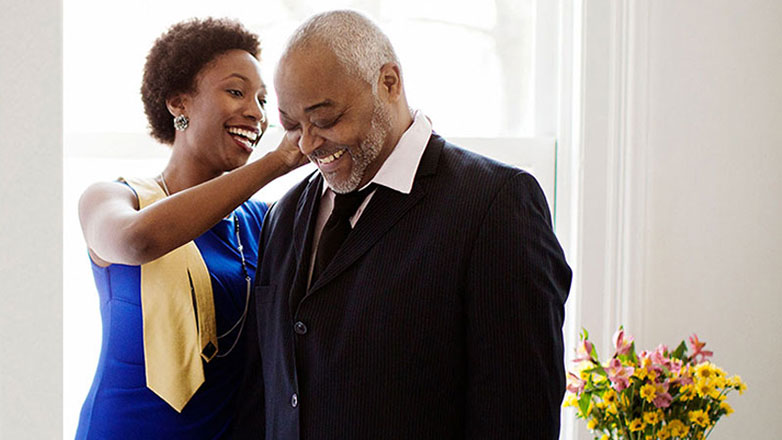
333,116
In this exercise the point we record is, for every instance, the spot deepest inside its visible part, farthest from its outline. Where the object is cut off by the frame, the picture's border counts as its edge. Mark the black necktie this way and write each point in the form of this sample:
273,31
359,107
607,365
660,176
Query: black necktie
337,228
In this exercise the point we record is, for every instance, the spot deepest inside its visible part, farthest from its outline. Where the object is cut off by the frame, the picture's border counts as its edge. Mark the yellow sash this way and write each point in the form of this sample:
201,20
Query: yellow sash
178,312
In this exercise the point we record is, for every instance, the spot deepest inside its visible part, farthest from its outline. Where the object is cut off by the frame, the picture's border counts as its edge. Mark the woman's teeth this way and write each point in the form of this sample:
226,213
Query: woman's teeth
251,136
332,157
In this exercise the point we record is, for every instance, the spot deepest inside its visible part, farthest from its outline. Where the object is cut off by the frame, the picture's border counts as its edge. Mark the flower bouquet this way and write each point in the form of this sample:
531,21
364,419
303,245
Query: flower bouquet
649,395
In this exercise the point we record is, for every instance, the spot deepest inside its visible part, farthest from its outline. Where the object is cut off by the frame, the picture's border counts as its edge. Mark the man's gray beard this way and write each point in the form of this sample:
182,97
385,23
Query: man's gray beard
370,146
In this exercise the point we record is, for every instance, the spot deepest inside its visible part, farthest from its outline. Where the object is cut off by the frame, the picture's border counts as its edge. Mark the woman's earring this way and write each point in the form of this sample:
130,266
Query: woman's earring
181,122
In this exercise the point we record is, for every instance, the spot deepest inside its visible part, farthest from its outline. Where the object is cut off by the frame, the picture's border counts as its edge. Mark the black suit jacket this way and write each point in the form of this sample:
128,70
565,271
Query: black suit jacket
439,318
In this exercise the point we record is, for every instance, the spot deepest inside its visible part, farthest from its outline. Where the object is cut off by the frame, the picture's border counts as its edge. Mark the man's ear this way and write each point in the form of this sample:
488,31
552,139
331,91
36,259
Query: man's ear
390,82
177,104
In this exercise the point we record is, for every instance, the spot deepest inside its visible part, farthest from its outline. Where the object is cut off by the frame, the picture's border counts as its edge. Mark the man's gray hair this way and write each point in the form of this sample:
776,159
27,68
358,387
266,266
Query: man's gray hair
359,45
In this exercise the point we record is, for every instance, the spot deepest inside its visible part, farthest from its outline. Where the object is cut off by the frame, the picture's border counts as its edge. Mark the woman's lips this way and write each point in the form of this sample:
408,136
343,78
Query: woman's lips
244,137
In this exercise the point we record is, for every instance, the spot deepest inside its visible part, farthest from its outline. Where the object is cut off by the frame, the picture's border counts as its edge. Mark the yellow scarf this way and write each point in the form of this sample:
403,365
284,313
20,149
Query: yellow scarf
177,306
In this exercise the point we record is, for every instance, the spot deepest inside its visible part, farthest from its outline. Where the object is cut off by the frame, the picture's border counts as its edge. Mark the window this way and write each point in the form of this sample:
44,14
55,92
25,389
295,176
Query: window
484,72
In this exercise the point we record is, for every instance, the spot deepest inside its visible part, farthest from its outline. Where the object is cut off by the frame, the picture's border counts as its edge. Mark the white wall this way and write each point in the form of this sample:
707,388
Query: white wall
714,200
680,187
31,220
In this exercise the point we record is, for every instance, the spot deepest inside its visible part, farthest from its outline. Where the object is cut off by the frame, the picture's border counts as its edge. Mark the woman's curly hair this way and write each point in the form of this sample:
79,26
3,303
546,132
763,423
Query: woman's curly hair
178,56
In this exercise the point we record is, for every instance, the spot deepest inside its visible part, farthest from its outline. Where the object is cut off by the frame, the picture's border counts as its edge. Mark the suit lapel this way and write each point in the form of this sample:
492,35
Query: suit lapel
384,210
306,216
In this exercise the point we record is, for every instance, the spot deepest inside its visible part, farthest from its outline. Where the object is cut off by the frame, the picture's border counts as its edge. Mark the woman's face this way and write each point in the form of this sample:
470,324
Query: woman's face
226,111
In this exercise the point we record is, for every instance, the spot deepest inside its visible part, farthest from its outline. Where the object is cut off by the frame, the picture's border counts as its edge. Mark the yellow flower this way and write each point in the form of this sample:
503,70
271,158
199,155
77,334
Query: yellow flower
636,425
612,409
677,428
687,392
653,417
705,370
663,434
570,400
648,392
592,424
610,396
641,373
736,383
728,409
704,388
605,437
699,417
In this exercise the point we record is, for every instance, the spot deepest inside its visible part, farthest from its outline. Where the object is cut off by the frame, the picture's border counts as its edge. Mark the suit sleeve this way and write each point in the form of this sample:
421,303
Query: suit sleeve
516,287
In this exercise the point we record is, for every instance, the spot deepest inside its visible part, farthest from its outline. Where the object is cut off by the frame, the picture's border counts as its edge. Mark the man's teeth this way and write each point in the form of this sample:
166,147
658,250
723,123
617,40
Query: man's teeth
332,157
251,135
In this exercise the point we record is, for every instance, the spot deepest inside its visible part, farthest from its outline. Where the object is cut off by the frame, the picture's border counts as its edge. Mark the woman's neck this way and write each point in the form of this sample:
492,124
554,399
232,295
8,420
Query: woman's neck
184,171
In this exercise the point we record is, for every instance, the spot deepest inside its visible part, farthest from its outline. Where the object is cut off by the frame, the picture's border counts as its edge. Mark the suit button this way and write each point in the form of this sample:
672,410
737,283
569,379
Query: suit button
294,400
300,328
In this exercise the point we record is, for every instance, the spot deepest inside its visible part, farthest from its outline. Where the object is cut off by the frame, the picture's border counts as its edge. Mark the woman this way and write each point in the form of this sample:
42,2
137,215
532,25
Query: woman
174,256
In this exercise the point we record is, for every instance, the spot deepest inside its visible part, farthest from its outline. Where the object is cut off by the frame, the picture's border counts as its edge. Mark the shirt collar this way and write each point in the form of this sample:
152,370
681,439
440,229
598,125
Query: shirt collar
398,171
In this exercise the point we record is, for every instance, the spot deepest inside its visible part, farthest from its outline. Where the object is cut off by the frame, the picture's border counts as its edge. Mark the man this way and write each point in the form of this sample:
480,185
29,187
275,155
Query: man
440,315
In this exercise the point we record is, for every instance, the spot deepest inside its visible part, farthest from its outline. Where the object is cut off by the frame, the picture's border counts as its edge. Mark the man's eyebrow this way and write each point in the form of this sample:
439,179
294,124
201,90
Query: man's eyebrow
326,103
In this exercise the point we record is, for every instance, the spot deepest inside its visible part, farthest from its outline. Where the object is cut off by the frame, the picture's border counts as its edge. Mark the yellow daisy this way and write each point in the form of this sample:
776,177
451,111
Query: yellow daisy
699,417
653,417
636,425
677,428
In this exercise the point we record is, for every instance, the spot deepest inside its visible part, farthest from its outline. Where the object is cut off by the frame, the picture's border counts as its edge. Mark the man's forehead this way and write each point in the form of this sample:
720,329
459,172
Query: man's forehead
311,81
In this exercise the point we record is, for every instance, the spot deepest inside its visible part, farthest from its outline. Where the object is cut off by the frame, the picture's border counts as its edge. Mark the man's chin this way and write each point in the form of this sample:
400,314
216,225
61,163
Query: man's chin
341,185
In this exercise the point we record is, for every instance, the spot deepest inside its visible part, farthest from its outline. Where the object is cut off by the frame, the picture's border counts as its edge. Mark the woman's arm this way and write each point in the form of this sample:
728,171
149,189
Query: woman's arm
116,231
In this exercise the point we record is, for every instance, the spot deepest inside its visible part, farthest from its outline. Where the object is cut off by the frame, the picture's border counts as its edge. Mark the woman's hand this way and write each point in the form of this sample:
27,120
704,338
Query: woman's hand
288,151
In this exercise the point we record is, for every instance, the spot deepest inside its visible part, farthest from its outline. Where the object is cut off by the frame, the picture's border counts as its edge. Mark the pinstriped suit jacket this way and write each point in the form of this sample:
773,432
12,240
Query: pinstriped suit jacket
439,318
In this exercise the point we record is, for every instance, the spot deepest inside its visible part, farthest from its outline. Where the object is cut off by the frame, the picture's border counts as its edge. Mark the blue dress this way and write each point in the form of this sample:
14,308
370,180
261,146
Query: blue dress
119,405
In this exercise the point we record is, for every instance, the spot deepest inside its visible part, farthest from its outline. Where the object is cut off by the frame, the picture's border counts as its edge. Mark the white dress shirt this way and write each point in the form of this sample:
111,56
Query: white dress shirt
397,173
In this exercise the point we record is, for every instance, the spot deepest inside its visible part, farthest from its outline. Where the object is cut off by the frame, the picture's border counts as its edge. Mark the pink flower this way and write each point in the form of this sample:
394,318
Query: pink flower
618,374
658,355
623,342
574,383
697,349
584,352
663,400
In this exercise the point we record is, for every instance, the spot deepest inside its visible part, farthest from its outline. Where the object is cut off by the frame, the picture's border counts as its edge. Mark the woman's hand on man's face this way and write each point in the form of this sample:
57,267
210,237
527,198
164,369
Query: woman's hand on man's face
289,151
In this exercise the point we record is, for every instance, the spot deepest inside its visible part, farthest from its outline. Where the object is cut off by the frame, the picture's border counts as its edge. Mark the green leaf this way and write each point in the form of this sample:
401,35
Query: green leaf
584,334
583,404
680,351
632,355
597,369
594,353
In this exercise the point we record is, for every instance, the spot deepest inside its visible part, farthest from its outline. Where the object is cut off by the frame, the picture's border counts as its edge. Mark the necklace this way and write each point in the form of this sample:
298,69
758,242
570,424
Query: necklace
248,283
247,279
165,187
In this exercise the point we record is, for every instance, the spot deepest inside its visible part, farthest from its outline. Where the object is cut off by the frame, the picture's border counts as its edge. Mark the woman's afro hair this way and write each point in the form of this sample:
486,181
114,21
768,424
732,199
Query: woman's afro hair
178,56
